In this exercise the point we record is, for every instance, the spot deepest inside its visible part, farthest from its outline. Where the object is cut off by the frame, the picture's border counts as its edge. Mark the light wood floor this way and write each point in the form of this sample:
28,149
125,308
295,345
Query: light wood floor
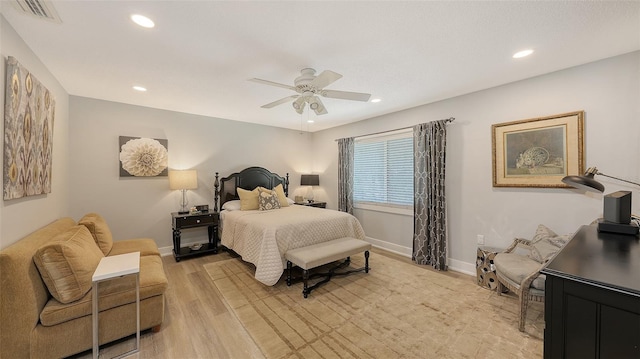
197,322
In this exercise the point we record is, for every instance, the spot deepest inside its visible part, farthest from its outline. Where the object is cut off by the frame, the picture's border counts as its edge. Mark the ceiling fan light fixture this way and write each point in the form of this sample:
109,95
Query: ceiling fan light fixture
314,105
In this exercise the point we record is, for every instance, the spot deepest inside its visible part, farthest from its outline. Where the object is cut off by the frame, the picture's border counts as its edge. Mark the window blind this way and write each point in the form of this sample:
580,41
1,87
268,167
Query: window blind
383,170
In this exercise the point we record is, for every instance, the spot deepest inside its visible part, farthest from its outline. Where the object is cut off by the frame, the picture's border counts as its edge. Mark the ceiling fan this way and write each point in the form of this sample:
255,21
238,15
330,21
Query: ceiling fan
309,87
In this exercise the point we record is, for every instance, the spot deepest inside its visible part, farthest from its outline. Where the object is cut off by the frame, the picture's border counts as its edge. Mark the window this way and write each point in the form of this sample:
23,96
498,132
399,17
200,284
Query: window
383,170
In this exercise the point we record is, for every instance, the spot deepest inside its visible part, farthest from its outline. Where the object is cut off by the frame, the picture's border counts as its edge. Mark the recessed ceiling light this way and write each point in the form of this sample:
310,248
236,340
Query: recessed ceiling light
139,88
142,21
376,100
522,53
310,121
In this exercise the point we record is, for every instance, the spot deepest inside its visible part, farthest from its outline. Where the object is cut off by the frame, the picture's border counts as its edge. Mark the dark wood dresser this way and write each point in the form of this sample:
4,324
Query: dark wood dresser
592,297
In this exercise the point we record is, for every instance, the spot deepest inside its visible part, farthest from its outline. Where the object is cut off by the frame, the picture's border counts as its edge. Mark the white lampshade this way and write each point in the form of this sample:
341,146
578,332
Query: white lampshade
185,179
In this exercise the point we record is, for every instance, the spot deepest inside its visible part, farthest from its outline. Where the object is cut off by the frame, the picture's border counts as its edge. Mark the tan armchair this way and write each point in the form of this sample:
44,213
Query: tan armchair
518,267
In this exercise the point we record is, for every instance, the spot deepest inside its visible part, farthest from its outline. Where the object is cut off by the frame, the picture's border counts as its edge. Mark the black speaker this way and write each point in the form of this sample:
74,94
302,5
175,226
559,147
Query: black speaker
617,207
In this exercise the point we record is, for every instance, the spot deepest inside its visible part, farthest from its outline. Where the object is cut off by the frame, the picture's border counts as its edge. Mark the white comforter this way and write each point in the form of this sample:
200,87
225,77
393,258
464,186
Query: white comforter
262,237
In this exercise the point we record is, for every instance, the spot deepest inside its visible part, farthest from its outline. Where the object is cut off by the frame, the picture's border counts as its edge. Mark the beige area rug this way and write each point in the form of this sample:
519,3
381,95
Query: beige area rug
398,310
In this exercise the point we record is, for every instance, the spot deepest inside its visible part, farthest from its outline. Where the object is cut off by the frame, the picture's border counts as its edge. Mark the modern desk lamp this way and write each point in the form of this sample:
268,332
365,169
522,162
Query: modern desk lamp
617,205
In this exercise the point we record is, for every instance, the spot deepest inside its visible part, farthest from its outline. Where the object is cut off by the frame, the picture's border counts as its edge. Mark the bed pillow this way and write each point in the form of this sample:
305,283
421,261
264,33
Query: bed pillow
248,199
99,230
267,199
282,198
66,263
232,205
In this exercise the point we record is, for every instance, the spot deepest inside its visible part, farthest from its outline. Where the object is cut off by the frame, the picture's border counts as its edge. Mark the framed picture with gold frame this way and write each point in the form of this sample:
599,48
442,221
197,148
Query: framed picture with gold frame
538,152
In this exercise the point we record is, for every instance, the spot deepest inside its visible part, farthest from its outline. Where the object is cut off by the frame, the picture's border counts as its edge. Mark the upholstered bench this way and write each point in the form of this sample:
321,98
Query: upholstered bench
323,253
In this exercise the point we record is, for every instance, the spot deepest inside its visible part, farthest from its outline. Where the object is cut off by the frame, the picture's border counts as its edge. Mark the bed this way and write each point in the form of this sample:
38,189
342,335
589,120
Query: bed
262,237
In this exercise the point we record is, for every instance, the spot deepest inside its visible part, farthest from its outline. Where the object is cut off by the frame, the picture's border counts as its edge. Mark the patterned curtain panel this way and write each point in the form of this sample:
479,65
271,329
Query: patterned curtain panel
345,175
430,210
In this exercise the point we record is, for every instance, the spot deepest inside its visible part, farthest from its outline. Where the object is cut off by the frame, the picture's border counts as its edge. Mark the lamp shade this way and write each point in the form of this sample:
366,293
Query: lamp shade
185,179
310,180
585,182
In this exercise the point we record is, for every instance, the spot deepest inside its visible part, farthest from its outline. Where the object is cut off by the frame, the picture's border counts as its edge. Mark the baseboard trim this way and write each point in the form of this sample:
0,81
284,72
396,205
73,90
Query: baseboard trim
166,251
462,267
454,264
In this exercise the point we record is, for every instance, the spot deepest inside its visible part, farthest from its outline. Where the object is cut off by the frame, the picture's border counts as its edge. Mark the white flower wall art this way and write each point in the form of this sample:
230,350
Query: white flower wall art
29,111
143,157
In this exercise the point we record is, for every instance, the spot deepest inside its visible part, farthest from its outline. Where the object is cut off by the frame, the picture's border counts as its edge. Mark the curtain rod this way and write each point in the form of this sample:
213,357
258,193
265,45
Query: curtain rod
450,119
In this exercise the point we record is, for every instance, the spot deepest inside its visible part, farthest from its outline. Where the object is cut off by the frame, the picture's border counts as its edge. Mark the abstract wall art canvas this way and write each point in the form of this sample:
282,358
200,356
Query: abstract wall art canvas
29,113
143,157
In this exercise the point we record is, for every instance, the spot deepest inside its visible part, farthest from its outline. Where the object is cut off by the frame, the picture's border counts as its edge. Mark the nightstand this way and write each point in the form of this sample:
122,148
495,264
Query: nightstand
187,220
313,204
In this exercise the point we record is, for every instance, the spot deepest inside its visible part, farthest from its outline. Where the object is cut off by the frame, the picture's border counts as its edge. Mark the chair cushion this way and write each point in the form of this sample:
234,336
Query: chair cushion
517,268
67,263
146,247
113,293
99,230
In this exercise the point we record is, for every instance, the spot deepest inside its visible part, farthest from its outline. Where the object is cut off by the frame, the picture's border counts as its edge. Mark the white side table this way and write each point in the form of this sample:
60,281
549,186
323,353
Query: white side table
110,268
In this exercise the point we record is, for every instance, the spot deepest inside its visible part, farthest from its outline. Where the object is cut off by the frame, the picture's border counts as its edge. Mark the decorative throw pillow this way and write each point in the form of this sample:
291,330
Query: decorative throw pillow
543,250
267,200
248,199
281,196
99,230
66,264
545,244
542,232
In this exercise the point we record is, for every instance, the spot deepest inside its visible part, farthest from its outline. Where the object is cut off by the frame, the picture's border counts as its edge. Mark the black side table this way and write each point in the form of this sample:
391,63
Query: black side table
313,204
184,221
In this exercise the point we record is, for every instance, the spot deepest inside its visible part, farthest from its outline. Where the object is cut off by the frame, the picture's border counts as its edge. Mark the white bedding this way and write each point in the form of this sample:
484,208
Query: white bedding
262,237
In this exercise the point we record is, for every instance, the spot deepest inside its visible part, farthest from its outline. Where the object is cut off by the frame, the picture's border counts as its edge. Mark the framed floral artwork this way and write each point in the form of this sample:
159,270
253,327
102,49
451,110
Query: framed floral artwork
29,114
538,152
143,157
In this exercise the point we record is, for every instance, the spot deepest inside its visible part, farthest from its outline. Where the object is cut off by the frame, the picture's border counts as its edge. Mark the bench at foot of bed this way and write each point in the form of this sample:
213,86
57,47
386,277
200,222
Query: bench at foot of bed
323,253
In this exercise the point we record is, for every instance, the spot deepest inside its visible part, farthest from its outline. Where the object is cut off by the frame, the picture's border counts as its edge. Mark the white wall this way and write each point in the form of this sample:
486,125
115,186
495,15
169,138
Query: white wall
141,207
19,217
609,93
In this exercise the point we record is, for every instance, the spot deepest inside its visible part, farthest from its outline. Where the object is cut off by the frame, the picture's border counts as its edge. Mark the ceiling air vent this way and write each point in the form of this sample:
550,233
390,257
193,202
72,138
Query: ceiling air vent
42,9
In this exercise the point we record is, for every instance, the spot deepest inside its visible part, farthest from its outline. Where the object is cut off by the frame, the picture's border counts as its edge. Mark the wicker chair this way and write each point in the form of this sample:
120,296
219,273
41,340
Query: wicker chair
520,274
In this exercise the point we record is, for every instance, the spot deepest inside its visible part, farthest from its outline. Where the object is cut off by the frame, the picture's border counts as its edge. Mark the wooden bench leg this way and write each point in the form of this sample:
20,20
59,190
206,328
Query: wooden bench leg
366,261
289,273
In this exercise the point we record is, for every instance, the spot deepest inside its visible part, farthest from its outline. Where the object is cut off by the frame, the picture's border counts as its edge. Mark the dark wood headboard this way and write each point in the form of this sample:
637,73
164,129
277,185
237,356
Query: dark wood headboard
249,179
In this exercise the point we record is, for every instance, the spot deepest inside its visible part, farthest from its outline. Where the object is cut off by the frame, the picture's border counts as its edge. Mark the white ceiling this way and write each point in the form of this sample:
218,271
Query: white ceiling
200,55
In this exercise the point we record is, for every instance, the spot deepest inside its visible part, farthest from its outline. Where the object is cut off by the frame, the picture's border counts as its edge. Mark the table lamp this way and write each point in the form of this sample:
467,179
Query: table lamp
309,180
183,180
617,205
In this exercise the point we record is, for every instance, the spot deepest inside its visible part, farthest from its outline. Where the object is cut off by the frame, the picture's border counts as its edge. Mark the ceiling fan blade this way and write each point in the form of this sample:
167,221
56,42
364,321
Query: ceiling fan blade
271,83
345,95
326,78
280,101
317,105
298,104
